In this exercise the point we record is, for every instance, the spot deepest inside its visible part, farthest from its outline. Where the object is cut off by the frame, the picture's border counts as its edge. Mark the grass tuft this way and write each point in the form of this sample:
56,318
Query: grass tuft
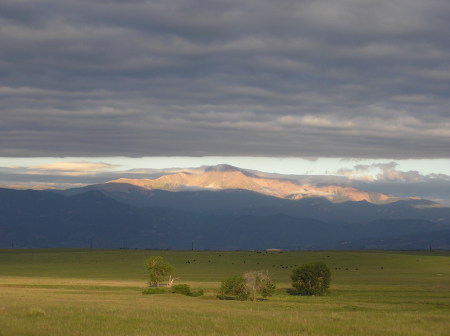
36,312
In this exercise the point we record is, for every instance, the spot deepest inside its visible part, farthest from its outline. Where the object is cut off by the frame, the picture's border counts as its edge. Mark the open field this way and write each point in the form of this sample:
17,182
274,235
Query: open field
98,292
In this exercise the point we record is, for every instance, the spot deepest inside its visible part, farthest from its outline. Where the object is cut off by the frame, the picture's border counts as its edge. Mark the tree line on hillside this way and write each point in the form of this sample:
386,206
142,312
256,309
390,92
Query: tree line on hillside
308,279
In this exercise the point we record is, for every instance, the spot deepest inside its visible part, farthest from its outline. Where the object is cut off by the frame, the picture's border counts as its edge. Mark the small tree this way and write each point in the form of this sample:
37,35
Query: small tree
158,270
311,279
234,287
259,282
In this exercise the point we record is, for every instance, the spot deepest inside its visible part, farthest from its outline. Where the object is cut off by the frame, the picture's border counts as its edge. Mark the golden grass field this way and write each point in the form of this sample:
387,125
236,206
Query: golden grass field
98,292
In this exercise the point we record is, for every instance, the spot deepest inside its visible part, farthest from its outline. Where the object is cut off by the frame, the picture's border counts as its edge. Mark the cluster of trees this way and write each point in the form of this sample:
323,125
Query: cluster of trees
247,286
308,279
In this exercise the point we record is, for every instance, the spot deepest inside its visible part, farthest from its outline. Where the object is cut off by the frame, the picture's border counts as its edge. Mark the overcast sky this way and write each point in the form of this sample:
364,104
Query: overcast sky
337,80
341,78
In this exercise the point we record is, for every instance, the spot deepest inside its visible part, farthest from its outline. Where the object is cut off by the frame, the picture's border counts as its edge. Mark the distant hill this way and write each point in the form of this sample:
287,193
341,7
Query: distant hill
229,219
423,240
44,219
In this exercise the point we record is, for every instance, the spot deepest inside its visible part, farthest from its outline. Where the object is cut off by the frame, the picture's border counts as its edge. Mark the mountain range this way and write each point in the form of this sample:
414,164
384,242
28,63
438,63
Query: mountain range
219,207
224,177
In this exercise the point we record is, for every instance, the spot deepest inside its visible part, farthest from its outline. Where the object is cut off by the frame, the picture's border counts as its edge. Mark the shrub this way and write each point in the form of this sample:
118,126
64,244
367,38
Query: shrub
234,288
197,293
181,289
186,290
268,289
154,290
311,279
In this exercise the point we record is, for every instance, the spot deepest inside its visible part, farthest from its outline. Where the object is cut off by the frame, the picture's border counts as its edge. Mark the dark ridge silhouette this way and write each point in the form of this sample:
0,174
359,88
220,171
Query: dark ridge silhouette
230,219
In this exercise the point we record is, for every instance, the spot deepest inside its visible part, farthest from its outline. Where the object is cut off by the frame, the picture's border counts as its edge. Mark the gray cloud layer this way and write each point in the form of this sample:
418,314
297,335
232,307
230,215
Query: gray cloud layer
194,77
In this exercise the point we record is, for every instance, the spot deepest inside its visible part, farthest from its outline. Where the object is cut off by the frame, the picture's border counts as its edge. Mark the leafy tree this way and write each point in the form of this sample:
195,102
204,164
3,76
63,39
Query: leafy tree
159,270
234,287
259,282
311,279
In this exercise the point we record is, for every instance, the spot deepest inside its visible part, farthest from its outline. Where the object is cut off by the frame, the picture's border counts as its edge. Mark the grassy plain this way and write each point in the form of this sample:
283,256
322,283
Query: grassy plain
98,292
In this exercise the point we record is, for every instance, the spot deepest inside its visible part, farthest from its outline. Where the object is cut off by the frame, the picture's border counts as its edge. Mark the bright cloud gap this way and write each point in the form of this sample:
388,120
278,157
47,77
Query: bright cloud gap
421,178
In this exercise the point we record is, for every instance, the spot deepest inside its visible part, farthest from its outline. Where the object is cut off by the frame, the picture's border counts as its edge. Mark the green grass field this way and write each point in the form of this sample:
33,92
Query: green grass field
98,292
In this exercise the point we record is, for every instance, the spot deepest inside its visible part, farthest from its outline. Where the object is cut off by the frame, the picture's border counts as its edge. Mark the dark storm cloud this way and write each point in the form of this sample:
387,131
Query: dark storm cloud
272,78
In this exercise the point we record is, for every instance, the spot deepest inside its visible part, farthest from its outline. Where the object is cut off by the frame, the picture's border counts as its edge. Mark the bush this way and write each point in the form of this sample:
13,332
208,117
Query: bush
234,288
155,290
197,293
268,289
186,290
181,289
311,279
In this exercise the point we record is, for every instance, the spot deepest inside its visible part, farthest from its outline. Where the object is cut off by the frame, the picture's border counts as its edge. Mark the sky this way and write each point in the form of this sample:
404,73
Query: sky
355,88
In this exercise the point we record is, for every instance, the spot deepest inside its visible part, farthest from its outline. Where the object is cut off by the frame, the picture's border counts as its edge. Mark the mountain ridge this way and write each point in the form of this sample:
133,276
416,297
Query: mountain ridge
220,207
248,202
48,219
228,177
